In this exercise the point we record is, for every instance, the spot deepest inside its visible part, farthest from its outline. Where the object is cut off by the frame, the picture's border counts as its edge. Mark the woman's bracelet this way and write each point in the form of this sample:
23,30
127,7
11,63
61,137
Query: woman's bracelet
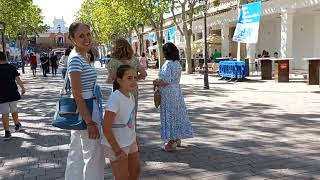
91,123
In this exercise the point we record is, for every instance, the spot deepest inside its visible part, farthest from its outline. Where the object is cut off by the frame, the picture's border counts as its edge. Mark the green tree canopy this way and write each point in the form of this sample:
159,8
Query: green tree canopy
110,18
120,18
21,16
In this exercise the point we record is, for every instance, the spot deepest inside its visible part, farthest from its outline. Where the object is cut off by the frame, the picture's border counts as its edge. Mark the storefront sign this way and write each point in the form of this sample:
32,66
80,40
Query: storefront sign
283,66
247,29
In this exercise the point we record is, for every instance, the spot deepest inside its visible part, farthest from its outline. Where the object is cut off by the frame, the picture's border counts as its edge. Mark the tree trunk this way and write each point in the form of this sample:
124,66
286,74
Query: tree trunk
160,50
189,68
160,41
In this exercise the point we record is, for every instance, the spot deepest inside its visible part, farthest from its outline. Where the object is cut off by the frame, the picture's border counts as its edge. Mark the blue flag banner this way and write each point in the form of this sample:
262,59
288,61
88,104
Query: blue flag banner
29,50
247,29
152,37
12,47
12,44
171,34
129,40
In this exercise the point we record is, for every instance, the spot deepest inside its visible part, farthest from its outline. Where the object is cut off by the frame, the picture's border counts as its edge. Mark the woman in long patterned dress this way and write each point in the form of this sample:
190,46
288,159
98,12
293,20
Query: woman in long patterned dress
175,123
122,53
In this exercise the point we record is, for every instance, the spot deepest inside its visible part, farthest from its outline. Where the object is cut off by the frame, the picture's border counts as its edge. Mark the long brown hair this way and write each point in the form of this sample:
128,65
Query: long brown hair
122,50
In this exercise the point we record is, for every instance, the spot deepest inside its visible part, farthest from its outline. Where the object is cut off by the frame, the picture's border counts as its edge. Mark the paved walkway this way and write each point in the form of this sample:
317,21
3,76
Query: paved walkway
248,130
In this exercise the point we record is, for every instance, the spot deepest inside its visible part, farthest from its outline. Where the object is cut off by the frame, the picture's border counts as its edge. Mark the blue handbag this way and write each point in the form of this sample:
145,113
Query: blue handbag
67,115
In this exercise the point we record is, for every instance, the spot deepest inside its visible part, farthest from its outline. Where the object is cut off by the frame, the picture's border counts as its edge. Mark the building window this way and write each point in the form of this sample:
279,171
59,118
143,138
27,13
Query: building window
181,38
199,35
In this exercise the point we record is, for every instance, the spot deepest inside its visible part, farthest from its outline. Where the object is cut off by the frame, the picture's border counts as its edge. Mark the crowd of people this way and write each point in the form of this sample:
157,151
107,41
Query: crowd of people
49,62
114,135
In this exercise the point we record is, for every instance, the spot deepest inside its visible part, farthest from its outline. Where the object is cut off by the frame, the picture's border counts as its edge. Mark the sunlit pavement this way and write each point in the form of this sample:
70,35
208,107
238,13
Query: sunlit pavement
243,130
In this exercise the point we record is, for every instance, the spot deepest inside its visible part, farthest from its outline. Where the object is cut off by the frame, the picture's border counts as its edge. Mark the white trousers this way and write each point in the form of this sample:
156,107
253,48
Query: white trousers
85,159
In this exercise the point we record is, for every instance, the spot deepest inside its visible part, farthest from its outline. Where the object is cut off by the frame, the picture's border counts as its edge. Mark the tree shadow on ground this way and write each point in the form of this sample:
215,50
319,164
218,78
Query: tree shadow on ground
233,140
40,150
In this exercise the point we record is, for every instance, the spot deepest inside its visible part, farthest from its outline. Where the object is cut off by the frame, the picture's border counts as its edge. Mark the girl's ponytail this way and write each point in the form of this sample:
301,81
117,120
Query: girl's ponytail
116,85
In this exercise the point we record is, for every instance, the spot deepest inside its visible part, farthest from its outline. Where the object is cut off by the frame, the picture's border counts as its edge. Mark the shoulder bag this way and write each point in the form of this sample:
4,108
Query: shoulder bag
67,115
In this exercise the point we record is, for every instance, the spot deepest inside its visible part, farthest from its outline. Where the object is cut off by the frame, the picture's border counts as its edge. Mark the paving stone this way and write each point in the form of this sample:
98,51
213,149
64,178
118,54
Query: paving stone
242,131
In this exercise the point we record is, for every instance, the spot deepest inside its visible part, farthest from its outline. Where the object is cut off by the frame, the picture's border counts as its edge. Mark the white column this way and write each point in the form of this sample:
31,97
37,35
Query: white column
316,36
225,40
286,34
251,53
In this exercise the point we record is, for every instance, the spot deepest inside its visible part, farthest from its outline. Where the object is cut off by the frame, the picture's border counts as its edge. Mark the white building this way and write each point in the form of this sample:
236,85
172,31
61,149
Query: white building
59,25
289,27
57,36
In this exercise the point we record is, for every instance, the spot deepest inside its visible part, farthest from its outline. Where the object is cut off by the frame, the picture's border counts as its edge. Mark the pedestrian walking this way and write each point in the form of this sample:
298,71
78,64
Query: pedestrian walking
9,95
175,123
122,54
44,63
119,127
64,63
144,61
54,64
33,64
85,159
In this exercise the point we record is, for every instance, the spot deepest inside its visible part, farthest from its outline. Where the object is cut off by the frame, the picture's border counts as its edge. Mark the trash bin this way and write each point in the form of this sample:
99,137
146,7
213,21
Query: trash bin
282,69
247,67
313,70
266,68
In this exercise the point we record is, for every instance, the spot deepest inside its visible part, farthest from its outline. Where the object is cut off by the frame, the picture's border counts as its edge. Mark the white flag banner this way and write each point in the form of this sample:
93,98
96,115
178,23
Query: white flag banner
247,29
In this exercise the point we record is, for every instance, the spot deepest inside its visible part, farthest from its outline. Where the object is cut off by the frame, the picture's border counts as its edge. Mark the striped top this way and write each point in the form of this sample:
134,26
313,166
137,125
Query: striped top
76,63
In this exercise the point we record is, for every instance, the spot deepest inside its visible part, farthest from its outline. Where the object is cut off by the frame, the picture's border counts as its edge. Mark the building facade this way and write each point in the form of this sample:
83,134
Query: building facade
289,27
56,37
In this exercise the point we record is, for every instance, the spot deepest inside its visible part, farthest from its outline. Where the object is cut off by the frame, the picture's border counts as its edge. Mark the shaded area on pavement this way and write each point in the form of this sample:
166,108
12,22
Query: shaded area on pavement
242,131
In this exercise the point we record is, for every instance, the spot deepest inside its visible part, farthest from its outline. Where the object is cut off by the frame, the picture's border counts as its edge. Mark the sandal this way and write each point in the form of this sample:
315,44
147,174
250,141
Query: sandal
170,146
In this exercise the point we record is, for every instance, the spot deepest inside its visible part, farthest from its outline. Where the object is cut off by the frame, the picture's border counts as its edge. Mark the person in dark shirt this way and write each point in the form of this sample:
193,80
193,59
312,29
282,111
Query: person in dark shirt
44,64
9,94
54,64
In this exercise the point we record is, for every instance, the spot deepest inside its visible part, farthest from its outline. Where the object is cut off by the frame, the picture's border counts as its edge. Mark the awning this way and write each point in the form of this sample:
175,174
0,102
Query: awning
153,47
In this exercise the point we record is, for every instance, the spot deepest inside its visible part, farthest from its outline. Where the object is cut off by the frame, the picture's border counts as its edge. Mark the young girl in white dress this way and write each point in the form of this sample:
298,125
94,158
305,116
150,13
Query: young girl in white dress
118,126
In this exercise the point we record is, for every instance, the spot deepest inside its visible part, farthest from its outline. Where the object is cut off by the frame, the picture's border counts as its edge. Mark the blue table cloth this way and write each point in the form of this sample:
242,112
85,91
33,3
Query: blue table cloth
232,69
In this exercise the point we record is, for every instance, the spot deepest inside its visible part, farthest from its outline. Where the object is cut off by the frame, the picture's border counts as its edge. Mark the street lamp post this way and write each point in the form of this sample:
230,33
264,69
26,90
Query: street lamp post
21,53
2,29
205,67
141,29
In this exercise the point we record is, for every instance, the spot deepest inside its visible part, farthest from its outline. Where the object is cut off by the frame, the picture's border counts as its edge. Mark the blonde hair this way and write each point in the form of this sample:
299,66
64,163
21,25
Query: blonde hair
122,50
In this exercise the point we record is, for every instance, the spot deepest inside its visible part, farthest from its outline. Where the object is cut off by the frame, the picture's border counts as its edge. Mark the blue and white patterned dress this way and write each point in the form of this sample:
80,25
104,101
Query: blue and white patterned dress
175,123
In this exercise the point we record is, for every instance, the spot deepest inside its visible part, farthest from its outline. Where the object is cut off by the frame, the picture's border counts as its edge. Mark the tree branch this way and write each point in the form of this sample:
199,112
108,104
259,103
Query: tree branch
183,16
175,19
191,9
